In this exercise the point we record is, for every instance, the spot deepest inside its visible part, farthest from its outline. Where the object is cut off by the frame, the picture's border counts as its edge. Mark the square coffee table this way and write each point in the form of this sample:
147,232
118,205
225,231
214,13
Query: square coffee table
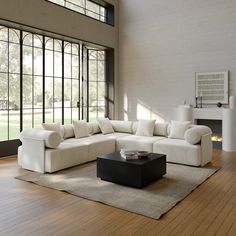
134,173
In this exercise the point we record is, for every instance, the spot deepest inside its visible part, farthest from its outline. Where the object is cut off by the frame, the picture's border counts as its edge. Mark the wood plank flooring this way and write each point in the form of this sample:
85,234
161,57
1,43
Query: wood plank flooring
28,209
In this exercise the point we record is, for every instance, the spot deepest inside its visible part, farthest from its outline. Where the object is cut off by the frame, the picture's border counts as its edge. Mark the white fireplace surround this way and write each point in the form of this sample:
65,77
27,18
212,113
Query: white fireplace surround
228,117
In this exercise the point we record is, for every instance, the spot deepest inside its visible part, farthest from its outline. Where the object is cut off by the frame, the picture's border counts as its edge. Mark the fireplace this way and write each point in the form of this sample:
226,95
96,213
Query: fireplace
216,127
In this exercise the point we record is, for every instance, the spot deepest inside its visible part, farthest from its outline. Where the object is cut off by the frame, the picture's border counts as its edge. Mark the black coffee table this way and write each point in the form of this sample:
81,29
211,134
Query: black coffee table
133,173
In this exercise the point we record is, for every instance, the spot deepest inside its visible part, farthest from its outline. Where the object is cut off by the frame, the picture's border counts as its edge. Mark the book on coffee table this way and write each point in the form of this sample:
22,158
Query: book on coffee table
129,154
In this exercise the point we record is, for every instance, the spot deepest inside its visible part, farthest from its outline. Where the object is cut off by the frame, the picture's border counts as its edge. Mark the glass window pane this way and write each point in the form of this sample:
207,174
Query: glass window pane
67,93
27,60
92,7
101,112
38,92
101,70
75,92
75,49
49,92
4,56
14,36
27,118
75,114
92,70
58,115
3,33
101,94
38,117
60,2
67,47
57,92
57,45
27,91
93,55
14,124
49,115
92,114
38,61
14,58
38,40
48,63
49,43
75,67
27,38
67,116
93,94
3,124
3,91
74,7
57,64
14,92
67,68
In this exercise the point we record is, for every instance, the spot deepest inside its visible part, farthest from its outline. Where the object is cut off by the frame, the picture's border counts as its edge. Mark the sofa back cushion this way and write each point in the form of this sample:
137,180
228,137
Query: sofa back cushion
145,128
80,128
160,129
68,131
105,125
178,128
134,127
94,128
122,126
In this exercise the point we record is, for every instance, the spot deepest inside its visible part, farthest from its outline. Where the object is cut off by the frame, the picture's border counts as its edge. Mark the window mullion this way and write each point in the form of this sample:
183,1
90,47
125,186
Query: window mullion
21,80
63,80
44,79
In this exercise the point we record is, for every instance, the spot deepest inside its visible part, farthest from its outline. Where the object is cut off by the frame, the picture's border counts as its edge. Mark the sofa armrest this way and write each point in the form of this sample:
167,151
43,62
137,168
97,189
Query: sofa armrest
194,134
34,142
50,138
206,149
33,155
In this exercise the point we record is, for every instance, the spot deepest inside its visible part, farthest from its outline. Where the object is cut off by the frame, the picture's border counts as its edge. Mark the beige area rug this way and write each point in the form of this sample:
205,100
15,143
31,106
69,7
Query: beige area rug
152,201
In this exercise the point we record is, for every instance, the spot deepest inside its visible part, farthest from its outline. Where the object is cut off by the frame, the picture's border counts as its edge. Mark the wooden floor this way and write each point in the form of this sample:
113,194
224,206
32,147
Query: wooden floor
28,209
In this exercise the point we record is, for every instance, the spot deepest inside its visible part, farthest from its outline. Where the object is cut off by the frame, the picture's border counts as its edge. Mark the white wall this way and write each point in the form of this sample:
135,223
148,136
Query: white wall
162,43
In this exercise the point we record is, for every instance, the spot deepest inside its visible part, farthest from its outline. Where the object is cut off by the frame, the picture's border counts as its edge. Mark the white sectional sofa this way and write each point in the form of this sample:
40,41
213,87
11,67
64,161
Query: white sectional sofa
44,151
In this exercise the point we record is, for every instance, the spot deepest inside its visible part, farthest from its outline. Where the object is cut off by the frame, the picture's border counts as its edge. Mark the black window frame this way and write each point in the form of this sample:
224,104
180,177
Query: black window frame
9,147
109,15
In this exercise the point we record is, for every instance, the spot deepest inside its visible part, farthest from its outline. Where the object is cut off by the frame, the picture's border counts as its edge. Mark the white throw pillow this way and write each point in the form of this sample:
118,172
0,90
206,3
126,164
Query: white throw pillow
122,126
54,127
94,128
105,125
160,129
80,128
68,131
178,128
145,127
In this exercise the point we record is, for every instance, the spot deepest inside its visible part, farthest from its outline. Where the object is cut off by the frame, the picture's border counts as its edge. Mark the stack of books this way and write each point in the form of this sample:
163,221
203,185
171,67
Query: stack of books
129,154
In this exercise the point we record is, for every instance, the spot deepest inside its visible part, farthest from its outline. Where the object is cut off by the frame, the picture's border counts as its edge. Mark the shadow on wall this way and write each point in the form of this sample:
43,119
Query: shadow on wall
141,109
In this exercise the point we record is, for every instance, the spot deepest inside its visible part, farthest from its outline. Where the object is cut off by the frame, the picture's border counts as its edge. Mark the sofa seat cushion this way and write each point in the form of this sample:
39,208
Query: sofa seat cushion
142,143
179,151
117,135
98,144
66,155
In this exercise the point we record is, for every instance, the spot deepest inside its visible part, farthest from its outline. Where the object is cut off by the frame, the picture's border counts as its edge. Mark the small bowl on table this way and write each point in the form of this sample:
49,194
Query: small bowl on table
142,154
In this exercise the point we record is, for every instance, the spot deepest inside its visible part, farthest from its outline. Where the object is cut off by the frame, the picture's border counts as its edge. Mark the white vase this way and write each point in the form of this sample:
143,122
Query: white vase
232,102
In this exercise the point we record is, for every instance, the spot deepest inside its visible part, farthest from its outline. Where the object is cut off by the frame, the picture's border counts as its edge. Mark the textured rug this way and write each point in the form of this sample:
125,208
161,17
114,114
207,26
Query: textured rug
152,201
